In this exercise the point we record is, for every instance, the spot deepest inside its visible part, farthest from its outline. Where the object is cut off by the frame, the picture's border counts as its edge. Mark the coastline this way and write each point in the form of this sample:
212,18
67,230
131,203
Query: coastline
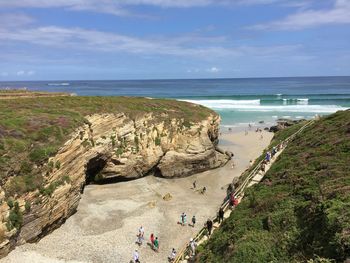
105,225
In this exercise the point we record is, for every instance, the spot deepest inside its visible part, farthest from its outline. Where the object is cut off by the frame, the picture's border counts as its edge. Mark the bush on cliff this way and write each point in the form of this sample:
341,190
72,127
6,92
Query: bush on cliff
303,213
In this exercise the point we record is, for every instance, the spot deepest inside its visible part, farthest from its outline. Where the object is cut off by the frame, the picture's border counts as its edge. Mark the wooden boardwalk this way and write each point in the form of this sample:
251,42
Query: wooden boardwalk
254,177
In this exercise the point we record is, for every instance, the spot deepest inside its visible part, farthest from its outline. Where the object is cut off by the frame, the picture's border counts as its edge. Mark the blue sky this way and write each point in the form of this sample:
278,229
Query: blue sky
156,39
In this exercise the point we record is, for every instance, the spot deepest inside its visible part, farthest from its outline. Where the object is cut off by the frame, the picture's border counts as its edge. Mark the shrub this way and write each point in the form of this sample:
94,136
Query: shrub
58,165
10,203
26,167
27,206
41,154
48,191
157,141
23,184
15,218
113,140
119,151
50,164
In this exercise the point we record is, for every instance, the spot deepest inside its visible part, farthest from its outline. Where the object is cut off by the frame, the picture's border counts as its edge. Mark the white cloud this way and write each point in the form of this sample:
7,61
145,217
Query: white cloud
214,70
80,39
114,7
14,20
307,18
25,73
20,73
30,73
120,7
195,70
99,41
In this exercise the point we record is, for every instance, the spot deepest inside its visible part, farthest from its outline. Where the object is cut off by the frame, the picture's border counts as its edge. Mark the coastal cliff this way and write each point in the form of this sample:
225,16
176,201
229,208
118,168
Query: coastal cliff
105,145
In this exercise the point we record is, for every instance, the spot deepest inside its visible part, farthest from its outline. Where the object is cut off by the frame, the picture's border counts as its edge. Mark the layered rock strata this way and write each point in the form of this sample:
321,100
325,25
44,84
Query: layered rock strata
109,147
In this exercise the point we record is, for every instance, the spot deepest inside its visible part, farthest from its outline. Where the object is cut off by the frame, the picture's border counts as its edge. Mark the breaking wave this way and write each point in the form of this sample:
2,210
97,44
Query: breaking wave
255,106
58,84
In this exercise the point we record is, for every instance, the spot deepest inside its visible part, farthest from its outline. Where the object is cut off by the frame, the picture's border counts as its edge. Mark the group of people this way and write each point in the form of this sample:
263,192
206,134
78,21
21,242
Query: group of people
202,191
271,154
183,220
154,243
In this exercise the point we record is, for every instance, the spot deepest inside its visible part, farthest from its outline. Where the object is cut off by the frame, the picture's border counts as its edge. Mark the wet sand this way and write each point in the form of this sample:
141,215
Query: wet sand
105,226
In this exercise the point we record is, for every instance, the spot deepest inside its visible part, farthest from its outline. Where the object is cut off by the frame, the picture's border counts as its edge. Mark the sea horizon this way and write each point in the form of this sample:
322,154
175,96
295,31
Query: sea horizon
239,101
150,79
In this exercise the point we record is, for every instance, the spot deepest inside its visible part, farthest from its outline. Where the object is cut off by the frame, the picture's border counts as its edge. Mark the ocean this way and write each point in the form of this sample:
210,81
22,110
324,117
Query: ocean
238,101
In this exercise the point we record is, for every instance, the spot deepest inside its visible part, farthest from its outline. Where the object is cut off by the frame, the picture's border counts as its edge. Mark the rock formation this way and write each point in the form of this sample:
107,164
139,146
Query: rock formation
282,124
108,147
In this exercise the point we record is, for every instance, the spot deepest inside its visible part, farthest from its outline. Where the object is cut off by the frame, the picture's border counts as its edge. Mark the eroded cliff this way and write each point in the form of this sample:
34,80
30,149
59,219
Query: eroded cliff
107,147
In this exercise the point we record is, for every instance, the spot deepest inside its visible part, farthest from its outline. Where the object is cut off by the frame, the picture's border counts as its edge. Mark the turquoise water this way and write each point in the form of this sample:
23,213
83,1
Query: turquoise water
238,101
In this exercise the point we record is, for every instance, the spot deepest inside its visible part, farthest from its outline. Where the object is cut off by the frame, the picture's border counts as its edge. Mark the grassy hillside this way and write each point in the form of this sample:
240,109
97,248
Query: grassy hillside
32,129
301,210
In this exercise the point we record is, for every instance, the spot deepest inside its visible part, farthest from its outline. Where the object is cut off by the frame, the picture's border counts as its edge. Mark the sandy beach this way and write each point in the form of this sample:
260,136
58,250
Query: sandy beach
105,226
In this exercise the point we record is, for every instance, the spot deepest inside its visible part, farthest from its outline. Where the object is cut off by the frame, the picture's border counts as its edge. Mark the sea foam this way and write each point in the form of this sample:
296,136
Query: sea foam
254,106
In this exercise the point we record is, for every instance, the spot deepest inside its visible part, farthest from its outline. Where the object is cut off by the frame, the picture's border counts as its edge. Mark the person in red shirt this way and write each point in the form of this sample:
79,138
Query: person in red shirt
152,240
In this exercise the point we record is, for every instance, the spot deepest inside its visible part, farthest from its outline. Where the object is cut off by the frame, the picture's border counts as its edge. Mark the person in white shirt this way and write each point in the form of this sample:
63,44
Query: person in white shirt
136,256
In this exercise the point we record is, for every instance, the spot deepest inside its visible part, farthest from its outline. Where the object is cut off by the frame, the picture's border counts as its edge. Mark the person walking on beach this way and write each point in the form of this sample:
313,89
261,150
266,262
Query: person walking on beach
156,244
194,184
152,240
140,235
172,255
203,190
136,256
183,219
221,215
209,226
193,220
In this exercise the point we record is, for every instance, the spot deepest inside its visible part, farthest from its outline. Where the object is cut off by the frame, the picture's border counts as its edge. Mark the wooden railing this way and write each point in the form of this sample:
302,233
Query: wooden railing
184,251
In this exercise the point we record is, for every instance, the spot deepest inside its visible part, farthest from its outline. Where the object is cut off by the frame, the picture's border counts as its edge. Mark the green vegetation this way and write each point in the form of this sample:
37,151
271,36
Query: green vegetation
15,218
27,206
58,165
277,138
48,191
32,128
301,210
119,151
157,141
136,140
113,140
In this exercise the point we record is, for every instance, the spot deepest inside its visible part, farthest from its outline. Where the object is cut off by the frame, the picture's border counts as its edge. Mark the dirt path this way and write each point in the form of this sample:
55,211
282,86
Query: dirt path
105,226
